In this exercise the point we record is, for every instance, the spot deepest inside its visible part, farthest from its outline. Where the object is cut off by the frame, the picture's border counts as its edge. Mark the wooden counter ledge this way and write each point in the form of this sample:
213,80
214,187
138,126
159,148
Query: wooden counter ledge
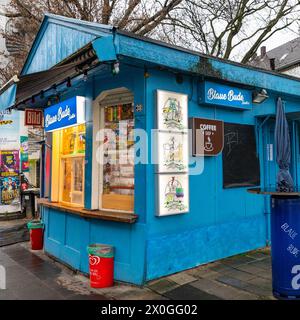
95,214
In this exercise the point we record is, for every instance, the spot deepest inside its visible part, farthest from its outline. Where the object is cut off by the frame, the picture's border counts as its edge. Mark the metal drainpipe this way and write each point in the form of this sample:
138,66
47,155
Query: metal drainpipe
266,200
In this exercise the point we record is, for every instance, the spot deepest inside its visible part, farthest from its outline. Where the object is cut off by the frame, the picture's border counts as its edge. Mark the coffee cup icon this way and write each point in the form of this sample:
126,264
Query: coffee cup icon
208,145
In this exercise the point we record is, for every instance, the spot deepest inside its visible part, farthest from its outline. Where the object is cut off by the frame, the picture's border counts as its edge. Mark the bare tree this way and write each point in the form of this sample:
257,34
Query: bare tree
139,16
231,29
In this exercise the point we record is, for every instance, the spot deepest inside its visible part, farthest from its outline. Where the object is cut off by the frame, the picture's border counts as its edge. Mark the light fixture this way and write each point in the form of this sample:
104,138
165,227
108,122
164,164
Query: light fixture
85,75
146,73
69,84
32,99
116,68
259,96
179,78
54,87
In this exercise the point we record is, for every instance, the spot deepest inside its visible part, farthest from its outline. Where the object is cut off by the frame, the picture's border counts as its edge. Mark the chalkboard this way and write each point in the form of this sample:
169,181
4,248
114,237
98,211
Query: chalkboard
240,159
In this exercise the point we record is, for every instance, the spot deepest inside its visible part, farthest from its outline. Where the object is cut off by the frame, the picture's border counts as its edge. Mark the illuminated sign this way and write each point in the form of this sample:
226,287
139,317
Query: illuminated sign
33,118
212,93
172,152
65,114
207,136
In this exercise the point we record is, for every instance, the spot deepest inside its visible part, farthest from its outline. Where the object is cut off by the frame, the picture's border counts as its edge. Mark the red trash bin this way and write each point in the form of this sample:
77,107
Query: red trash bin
36,234
101,262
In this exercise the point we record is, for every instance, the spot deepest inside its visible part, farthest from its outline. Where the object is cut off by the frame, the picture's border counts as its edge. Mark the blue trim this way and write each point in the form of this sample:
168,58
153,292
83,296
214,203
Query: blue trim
88,148
8,97
105,48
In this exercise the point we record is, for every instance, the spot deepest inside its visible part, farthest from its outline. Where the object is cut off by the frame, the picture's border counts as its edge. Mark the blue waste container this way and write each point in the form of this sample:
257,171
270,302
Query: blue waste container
285,246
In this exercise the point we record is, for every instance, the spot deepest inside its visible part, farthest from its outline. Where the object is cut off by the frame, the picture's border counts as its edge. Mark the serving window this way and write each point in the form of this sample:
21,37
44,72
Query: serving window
117,169
68,152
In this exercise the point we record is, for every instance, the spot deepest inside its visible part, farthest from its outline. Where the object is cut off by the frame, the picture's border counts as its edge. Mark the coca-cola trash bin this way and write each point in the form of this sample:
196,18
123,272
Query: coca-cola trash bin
101,262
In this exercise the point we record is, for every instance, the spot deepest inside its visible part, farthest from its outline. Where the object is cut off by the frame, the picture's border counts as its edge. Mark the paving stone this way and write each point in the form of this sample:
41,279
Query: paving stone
258,255
144,295
261,292
206,285
7,294
221,267
226,292
162,285
86,297
240,275
5,261
189,292
263,264
204,273
250,268
181,278
266,275
261,283
246,296
119,290
233,282
238,260
218,289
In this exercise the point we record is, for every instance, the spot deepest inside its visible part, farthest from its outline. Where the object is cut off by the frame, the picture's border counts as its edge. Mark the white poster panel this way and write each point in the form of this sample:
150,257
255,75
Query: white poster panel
172,111
9,130
173,194
172,152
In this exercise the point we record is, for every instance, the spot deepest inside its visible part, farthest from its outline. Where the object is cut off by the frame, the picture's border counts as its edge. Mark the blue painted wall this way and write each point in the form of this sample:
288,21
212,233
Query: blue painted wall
67,236
220,222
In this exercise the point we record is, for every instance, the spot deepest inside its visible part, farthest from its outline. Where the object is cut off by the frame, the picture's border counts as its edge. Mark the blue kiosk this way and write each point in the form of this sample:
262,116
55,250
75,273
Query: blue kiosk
111,100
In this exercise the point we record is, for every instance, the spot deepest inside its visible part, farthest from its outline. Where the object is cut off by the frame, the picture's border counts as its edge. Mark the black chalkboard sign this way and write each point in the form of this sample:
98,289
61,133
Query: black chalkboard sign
240,159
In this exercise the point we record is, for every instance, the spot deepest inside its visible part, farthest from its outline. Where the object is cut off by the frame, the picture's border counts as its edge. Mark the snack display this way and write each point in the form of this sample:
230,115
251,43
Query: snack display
118,168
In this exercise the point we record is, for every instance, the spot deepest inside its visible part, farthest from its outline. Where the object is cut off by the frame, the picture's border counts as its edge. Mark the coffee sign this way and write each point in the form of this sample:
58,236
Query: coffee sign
207,136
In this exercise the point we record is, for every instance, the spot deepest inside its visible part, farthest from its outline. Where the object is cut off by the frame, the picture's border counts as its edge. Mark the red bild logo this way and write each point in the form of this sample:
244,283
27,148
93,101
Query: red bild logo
33,118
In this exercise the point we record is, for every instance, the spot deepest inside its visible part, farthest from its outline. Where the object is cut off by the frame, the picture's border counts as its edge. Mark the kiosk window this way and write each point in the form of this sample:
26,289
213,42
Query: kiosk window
70,152
240,159
118,162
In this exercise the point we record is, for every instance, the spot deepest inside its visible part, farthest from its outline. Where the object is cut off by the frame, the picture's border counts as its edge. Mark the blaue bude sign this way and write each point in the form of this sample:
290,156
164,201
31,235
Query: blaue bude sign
222,95
65,114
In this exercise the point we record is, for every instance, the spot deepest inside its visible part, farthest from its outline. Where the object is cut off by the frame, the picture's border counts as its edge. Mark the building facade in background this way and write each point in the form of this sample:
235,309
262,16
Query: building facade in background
3,21
284,58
